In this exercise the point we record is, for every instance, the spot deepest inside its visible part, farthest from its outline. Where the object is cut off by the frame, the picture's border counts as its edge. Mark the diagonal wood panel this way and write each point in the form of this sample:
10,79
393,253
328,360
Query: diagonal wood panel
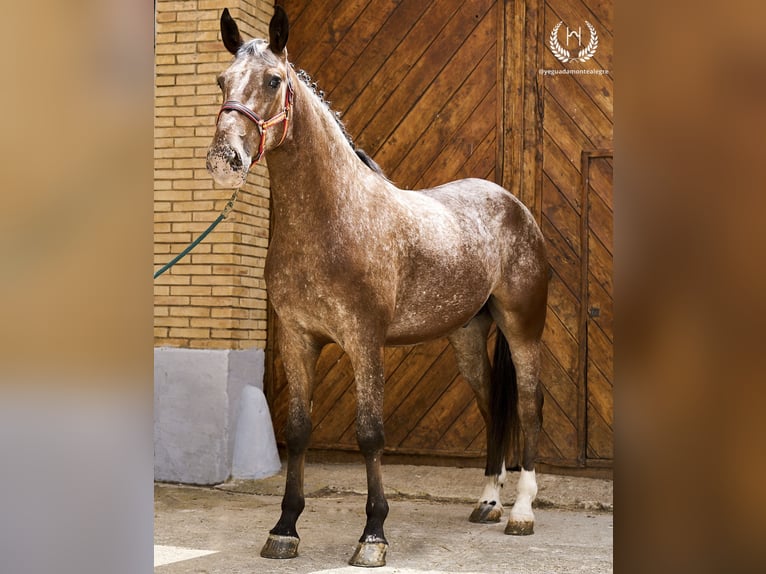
417,83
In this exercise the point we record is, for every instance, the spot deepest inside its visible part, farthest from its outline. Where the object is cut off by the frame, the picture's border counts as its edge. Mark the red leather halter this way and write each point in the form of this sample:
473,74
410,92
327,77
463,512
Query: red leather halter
263,125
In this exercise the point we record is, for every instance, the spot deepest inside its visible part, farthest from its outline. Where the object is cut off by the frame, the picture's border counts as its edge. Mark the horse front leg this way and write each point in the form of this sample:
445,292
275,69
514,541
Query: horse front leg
299,356
368,371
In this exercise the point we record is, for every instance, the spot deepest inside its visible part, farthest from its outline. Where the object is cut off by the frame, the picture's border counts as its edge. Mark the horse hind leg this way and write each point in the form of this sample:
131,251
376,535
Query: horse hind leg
470,345
523,340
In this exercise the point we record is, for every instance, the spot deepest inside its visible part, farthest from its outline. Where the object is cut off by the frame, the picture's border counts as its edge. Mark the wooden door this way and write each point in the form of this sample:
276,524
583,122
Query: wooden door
435,91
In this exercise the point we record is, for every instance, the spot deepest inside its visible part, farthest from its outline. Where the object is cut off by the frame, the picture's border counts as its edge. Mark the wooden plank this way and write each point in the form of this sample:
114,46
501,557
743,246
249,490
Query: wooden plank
559,429
389,77
330,31
407,415
410,374
559,385
601,222
600,441
303,31
562,214
564,261
294,9
347,50
562,129
439,416
601,395
564,304
443,108
564,175
481,161
601,266
422,73
603,301
578,106
600,351
460,434
329,390
454,152
367,67
562,344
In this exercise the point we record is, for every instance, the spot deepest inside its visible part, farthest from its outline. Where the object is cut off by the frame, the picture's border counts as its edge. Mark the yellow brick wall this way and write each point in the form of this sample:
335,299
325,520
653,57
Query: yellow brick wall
214,298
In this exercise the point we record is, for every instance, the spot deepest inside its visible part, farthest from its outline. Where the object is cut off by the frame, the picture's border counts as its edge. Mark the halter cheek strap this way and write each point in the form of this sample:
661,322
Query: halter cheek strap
263,125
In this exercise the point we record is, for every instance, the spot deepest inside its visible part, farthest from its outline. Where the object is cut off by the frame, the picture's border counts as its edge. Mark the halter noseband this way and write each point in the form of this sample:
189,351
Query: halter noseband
263,125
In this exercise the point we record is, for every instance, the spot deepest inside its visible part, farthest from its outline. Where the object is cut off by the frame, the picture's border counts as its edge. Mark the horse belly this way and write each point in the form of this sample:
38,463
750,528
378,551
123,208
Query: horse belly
433,315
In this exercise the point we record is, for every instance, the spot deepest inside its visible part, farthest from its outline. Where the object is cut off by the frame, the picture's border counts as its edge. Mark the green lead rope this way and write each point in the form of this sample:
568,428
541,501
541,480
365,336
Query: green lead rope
193,244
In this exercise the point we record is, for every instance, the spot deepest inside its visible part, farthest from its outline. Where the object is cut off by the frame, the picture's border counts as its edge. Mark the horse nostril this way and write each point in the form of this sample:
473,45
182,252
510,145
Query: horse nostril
235,162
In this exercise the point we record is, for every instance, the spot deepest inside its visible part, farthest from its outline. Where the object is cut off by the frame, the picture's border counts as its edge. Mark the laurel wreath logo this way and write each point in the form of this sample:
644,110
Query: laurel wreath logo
564,55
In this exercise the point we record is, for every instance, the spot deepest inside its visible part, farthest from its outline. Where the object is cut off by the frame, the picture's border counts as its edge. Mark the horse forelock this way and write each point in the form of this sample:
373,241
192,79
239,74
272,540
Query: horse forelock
258,47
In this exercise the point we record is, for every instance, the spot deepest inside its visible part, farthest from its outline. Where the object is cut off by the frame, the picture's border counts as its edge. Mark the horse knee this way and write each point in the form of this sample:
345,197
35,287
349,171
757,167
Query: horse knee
370,437
298,432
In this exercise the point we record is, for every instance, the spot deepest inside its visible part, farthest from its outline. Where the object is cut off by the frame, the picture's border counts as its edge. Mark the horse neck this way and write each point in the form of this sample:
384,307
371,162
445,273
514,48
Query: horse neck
315,172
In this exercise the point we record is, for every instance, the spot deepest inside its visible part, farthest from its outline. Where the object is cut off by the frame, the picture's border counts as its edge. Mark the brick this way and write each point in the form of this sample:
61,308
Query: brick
169,38
192,185
200,15
160,332
232,312
197,58
173,91
164,81
198,100
171,322
212,4
210,301
173,132
173,152
192,312
176,5
229,334
173,111
175,69
209,344
212,323
172,195
175,48
189,332
172,173
189,290
177,26
194,205
171,216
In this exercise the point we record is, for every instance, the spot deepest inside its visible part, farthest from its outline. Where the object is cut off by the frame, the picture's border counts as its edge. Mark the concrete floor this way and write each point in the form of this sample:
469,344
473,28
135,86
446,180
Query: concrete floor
427,527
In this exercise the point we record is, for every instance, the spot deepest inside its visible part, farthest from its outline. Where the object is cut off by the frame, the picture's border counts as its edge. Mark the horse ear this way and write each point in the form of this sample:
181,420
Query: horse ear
279,28
230,32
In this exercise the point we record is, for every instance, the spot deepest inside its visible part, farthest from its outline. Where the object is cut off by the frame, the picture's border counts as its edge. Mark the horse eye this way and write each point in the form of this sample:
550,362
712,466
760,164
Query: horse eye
274,82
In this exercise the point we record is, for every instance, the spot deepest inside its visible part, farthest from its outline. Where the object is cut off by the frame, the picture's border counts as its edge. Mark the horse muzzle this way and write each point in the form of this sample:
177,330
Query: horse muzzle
227,165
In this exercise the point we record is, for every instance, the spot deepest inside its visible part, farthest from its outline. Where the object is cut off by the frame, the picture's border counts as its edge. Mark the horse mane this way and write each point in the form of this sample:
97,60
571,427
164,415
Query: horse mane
304,77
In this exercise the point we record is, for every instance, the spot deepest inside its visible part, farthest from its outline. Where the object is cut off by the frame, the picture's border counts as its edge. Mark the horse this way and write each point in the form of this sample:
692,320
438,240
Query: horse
357,261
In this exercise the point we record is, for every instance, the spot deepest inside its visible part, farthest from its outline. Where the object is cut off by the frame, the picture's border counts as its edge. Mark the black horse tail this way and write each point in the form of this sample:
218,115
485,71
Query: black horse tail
504,425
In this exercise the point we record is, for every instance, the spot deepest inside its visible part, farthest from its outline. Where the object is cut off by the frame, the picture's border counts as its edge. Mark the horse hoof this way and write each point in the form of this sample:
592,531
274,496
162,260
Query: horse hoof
369,554
520,527
486,514
280,547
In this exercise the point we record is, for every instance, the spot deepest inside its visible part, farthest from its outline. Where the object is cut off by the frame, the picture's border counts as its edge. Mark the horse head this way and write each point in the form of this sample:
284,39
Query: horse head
257,93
